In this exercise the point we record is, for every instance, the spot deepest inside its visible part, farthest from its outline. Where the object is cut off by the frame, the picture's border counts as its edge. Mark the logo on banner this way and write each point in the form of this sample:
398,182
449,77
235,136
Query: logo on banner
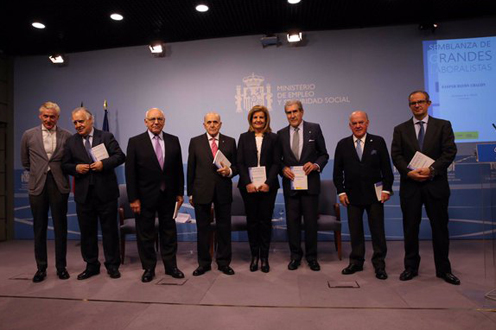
254,92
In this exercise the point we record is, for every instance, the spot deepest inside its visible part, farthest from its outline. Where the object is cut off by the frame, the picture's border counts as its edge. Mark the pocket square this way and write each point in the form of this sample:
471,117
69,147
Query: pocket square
373,152
311,140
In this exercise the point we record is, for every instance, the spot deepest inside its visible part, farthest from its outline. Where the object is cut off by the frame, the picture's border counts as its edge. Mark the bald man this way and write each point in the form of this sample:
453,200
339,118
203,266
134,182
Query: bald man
155,182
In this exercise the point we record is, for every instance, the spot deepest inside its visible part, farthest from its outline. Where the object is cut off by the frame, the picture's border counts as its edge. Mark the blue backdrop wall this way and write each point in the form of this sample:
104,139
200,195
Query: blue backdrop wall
335,73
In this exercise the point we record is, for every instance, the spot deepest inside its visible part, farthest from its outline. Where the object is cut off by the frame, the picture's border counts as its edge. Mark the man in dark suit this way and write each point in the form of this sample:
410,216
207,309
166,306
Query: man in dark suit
96,192
208,184
361,165
155,182
301,145
428,186
41,154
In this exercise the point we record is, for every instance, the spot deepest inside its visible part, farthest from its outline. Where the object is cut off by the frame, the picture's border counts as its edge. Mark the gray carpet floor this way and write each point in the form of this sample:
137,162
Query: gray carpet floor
281,299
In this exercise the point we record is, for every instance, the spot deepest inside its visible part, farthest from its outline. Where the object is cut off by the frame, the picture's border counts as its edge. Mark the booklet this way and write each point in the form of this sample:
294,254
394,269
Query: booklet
378,190
220,158
100,152
420,160
257,175
300,181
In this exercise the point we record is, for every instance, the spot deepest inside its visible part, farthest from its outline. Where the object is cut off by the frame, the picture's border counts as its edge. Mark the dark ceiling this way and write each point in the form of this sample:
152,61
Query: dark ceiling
82,25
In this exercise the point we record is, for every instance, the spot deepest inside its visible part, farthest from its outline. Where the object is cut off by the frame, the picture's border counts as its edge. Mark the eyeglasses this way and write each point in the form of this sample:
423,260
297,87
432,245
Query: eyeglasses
421,102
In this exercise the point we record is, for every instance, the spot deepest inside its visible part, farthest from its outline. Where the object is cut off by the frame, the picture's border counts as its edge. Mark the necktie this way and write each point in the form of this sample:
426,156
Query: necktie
295,147
214,147
421,134
87,145
48,143
158,152
359,149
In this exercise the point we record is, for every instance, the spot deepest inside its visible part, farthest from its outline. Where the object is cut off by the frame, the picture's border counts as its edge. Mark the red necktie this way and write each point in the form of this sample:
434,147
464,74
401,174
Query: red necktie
214,147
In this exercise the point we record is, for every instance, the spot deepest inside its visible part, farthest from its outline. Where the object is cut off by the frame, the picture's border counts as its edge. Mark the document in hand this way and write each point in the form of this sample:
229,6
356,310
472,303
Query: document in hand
100,152
420,160
257,175
220,158
300,181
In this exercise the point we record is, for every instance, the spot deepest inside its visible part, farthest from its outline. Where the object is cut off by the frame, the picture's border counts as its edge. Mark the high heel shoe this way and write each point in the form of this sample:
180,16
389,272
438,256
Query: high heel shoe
254,264
264,267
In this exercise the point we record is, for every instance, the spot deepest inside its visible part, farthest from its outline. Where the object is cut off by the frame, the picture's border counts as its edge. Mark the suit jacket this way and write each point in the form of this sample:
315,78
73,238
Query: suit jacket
35,160
357,177
143,173
269,157
105,182
314,151
203,180
439,144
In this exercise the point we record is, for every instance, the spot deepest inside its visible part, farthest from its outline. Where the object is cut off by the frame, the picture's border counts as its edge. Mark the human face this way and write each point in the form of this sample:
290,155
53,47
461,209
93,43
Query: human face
155,121
294,115
49,118
258,121
82,124
359,124
419,105
212,124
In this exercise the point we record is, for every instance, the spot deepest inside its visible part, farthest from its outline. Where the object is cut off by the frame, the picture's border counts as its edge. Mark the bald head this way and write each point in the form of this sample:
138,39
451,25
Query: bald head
359,123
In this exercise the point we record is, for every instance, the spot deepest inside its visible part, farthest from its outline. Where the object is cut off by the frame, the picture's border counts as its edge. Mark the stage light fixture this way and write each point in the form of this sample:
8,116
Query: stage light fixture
294,2
116,17
157,48
58,59
269,40
38,25
295,36
202,8
429,26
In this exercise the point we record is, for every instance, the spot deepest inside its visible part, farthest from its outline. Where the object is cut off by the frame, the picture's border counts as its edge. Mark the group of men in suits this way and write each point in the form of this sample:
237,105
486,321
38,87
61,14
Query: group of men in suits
155,186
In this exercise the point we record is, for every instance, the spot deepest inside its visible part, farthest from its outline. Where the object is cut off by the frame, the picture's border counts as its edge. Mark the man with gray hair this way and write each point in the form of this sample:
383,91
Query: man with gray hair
96,191
41,154
361,168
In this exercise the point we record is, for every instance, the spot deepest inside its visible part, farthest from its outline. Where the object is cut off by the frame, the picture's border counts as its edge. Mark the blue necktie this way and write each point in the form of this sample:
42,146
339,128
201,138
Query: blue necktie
359,149
421,134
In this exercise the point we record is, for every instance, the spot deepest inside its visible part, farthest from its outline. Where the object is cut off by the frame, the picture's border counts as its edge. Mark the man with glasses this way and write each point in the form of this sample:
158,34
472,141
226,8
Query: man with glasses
361,168
155,183
96,191
426,186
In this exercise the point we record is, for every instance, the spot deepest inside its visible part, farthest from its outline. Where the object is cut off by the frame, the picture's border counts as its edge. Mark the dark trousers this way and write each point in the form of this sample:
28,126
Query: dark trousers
50,198
298,205
259,207
223,232
88,215
146,232
437,212
375,215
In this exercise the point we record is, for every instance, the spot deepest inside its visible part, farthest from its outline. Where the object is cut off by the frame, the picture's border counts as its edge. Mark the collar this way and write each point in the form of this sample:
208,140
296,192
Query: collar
363,139
43,128
425,120
152,136
213,137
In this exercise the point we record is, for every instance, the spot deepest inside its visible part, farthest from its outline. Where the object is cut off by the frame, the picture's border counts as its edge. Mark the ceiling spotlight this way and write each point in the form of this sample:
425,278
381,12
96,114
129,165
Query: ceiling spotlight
269,40
58,59
295,36
429,26
157,49
116,17
38,25
293,2
202,8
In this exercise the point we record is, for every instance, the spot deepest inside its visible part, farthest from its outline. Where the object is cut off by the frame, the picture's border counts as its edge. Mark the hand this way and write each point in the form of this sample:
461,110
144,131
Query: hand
180,201
82,168
286,171
344,200
384,197
97,166
250,188
264,188
418,174
136,206
191,201
224,170
309,168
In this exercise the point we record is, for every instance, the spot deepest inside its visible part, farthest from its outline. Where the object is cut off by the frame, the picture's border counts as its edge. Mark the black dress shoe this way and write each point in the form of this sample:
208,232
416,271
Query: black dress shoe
63,274
148,275
314,265
39,276
264,265
381,274
201,270
254,264
113,273
408,274
87,274
226,270
174,272
294,264
449,277
352,269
